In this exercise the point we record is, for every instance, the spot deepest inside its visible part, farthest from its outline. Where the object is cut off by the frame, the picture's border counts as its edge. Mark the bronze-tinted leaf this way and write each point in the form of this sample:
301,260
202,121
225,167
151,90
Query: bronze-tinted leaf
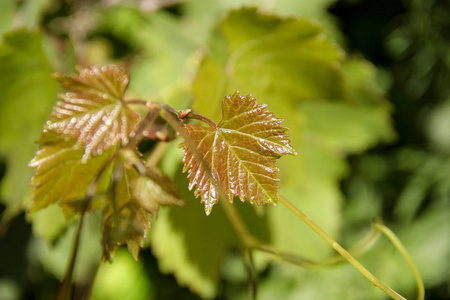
60,174
93,111
130,205
240,153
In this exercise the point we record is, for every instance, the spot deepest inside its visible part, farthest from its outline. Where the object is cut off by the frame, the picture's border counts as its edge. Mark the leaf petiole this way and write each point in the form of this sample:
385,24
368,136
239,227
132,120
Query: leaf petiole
202,118
136,101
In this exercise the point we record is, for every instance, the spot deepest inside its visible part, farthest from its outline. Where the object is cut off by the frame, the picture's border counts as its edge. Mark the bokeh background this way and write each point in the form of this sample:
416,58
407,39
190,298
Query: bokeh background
383,156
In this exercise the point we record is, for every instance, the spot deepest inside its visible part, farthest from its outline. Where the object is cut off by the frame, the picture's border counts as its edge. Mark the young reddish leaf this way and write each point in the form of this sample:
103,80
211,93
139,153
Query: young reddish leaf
60,174
240,152
93,111
130,205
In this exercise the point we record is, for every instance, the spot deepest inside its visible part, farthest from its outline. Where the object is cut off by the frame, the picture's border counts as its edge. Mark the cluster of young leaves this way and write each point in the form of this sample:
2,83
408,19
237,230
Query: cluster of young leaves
84,146
83,162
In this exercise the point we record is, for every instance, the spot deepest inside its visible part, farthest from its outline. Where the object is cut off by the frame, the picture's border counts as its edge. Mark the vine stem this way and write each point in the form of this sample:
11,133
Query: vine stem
136,101
65,289
236,221
393,294
399,246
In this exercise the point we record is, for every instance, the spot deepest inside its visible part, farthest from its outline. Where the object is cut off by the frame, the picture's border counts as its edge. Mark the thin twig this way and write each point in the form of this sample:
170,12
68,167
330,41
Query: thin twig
202,118
251,274
65,289
398,244
393,294
136,101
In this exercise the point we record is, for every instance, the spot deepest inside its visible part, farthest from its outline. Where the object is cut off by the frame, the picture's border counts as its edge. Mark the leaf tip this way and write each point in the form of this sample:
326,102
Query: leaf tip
56,75
292,151
208,207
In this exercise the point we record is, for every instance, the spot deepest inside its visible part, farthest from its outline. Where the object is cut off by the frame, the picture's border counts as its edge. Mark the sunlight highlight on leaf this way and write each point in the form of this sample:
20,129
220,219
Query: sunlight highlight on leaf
240,151
93,111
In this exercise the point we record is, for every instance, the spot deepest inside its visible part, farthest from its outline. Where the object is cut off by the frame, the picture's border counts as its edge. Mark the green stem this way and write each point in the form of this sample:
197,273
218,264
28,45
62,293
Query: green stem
251,274
245,236
287,257
65,289
399,246
393,294
249,241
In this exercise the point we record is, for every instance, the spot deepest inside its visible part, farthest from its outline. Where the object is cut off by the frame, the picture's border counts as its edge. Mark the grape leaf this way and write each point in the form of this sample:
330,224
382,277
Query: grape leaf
25,86
190,244
60,174
240,151
110,282
93,111
130,205
251,52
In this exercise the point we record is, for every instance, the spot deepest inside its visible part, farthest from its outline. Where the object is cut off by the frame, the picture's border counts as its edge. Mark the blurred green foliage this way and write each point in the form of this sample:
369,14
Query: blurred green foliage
193,53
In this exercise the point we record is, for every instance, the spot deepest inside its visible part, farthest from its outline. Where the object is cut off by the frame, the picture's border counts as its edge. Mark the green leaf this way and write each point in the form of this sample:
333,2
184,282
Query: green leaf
33,11
206,13
329,102
251,52
240,152
48,223
7,8
93,111
164,63
26,97
192,246
59,165
302,7
110,282
164,68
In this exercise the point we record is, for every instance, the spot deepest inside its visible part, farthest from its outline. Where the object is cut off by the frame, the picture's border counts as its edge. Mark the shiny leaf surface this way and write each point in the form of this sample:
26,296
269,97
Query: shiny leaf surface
93,111
240,152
